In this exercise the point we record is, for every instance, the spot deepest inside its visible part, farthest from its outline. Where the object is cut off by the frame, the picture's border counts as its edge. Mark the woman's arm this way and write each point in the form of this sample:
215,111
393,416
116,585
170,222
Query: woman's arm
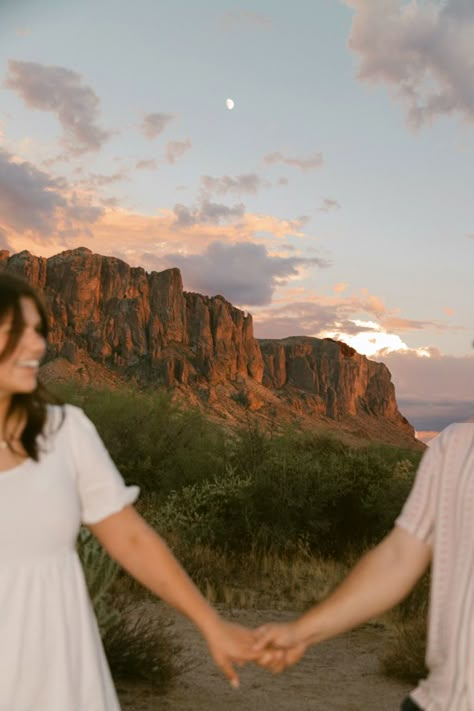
381,579
141,552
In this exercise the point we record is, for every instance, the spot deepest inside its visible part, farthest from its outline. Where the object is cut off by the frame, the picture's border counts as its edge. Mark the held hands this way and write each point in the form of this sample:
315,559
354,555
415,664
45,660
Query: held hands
272,646
231,644
278,646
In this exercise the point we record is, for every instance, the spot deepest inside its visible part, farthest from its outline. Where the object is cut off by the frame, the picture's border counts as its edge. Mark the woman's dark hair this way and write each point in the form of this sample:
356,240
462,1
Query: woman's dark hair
34,404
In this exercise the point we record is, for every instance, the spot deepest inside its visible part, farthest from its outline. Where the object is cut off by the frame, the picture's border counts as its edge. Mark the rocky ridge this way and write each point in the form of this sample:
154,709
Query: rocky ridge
107,317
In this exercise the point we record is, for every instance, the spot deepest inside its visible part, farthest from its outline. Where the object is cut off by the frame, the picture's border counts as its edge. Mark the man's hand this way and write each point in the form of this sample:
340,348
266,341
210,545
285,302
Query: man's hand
278,646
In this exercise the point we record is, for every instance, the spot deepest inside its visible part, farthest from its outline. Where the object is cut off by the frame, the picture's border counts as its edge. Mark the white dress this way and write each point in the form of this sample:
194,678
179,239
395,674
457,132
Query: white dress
51,655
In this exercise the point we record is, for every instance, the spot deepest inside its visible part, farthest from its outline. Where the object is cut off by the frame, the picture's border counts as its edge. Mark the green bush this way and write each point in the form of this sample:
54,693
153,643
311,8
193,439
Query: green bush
213,512
154,442
284,490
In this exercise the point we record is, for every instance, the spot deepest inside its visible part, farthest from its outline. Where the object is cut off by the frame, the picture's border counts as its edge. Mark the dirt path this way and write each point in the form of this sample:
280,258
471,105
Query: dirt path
339,675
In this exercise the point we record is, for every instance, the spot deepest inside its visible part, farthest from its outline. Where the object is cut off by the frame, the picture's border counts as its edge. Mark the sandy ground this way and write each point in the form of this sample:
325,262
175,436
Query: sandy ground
340,675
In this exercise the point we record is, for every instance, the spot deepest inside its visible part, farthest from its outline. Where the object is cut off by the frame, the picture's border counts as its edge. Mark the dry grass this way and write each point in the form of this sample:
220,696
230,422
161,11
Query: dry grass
404,657
254,580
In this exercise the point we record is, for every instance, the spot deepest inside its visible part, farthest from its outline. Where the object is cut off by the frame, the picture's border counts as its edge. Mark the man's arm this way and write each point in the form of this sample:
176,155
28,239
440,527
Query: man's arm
381,579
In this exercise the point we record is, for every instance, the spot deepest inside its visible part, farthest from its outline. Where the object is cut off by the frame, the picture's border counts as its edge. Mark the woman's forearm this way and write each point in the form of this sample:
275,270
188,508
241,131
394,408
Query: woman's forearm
147,558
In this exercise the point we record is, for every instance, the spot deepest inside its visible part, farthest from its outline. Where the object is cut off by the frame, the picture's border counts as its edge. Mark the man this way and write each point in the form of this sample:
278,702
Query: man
436,525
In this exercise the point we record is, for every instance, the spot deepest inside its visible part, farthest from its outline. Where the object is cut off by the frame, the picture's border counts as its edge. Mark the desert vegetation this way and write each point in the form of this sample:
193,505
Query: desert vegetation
269,519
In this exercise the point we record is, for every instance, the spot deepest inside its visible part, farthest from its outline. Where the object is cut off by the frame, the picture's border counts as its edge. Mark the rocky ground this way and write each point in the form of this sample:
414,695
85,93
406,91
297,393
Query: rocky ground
339,675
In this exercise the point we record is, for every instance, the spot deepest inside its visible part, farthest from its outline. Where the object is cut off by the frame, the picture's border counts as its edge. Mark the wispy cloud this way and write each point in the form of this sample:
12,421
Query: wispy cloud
248,183
176,149
207,213
421,50
145,164
314,314
62,92
242,19
99,180
315,160
154,124
328,205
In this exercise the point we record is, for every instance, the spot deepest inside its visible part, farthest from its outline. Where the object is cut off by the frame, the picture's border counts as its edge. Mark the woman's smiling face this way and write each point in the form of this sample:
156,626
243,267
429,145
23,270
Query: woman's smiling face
19,368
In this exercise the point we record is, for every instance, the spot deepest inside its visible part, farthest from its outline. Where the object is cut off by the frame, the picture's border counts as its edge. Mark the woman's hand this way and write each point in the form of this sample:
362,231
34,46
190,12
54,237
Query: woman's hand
231,644
278,646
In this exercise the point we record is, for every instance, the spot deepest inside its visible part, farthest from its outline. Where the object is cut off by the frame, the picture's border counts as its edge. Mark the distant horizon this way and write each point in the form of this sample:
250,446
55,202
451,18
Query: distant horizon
323,189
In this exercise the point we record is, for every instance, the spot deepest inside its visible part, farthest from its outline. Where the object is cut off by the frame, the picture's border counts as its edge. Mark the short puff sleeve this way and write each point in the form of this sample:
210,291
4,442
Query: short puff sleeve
101,488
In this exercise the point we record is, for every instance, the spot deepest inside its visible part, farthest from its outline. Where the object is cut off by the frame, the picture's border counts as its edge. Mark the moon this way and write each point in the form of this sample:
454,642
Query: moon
230,104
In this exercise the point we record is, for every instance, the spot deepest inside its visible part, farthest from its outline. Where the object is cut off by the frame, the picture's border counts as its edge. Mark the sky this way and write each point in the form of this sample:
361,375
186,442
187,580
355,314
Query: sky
333,199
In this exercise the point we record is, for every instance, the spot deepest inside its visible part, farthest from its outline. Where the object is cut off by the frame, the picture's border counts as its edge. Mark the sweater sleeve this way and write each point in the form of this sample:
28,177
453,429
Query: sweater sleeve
101,488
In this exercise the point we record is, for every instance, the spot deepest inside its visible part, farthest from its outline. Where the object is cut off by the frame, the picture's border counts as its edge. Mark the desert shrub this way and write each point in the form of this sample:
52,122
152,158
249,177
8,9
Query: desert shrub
318,489
142,649
154,442
404,657
139,649
213,512
405,650
289,490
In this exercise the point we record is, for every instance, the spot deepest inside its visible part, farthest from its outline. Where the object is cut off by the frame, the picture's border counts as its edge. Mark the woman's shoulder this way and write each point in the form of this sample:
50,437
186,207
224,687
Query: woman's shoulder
59,417
70,414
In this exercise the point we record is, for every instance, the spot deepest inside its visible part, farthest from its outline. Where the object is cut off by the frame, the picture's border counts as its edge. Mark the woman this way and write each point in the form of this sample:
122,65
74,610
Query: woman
55,474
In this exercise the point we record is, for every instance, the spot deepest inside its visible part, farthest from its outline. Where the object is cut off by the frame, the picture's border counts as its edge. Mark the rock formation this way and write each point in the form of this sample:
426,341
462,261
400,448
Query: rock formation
144,326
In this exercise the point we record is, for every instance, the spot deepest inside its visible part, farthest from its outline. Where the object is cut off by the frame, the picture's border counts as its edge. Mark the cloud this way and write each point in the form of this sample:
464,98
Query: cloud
421,50
244,273
329,204
62,92
4,243
146,164
34,203
98,180
318,315
154,124
313,161
283,181
248,183
176,149
404,324
28,196
234,20
208,212
432,392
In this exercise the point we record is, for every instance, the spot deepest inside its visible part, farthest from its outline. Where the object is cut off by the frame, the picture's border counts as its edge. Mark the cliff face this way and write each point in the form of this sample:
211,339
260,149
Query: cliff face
123,317
146,327
339,380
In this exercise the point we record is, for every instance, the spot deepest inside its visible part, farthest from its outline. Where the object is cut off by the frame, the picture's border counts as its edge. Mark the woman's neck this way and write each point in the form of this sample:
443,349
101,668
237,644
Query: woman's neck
5,403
